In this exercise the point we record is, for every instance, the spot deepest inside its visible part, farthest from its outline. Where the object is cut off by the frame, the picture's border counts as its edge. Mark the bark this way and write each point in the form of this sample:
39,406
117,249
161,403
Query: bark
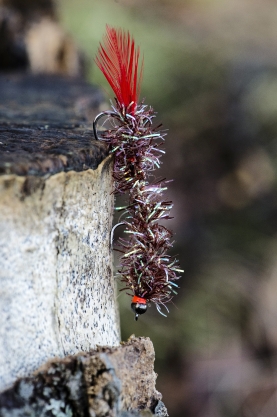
106,382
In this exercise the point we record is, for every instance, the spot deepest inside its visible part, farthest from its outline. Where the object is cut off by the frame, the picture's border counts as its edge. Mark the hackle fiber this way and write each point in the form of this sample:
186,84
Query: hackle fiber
146,269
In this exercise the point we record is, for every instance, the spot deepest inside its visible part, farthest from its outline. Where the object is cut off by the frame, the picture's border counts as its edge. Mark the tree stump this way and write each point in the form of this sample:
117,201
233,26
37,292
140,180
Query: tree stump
60,352
109,382
56,205
57,295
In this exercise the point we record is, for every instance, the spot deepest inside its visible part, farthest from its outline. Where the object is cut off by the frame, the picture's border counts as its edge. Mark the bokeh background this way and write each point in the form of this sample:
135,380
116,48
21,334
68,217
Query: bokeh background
211,74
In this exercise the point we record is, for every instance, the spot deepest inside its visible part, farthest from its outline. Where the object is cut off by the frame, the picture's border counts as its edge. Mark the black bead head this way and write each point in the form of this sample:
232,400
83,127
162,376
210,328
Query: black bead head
138,308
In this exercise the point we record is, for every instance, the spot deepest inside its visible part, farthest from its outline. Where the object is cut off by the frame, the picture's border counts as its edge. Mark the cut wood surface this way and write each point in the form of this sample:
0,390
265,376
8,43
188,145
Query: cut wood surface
46,125
56,203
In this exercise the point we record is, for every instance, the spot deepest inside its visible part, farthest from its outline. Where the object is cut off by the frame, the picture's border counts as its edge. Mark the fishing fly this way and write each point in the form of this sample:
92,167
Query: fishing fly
149,274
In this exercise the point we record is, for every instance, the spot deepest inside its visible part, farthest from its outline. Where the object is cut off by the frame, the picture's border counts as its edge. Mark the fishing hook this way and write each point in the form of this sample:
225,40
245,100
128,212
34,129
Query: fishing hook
97,118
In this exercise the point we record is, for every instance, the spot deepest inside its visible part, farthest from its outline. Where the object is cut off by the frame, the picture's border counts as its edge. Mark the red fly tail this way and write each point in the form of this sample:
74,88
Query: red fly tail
118,59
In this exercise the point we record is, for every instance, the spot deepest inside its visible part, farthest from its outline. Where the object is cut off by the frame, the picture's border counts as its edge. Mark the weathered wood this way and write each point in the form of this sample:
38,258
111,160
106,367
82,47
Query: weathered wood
106,382
57,293
46,125
56,205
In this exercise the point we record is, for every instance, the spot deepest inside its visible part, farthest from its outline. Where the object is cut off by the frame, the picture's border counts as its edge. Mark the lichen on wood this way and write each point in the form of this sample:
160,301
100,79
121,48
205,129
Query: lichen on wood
114,382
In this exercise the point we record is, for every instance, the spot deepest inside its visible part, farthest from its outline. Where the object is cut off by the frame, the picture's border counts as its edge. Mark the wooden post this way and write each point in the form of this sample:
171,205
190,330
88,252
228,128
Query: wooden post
60,351
56,204
57,293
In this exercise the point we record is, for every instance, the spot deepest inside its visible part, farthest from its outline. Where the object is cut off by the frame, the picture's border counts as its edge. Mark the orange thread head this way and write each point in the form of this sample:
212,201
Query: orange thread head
139,300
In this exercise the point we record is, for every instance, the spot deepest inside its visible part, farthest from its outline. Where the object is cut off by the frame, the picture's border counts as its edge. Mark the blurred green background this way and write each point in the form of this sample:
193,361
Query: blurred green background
211,74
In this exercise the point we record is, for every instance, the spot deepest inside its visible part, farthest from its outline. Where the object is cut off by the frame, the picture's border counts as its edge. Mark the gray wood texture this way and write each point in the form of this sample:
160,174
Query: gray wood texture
59,327
114,382
57,292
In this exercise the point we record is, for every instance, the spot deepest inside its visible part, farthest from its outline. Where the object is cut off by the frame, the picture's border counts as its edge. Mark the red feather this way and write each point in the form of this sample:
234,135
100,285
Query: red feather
118,59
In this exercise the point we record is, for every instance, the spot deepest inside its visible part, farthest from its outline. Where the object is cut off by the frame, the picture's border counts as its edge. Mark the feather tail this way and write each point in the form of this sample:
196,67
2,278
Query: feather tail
118,59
